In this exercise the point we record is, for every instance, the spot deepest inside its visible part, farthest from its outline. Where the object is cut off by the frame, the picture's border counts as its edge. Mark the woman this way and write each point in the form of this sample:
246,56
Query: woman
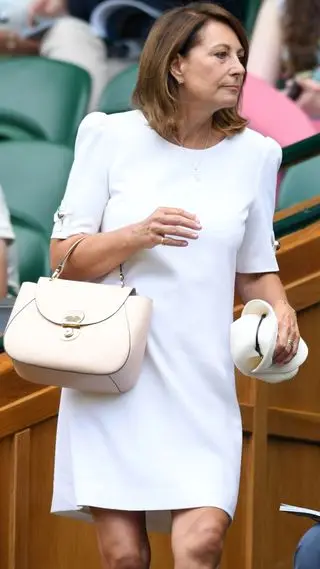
182,194
285,45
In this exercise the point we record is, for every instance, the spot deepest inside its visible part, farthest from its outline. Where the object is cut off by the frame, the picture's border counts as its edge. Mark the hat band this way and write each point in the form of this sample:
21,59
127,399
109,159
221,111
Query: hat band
257,346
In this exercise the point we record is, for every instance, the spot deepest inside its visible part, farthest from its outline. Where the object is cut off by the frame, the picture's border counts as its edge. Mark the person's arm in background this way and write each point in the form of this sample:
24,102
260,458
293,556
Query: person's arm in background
47,9
54,8
11,44
3,268
266,43
6,238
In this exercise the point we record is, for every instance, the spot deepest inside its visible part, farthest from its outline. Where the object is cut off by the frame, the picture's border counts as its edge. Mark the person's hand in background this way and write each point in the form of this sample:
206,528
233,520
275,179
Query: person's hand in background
47,9
12,44
309,100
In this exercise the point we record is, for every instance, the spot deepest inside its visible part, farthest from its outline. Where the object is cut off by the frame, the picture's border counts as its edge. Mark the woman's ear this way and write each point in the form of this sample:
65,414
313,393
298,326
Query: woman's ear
176,69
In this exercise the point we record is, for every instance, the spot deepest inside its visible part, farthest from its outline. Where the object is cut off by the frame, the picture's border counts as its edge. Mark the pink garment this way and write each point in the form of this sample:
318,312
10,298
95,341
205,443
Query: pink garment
273,114
316,124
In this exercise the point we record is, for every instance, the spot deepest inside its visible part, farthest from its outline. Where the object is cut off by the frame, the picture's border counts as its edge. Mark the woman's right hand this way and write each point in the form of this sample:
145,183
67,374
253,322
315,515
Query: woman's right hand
168,226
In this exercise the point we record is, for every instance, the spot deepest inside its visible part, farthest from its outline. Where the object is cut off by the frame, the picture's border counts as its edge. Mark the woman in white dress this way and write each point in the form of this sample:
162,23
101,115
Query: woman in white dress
181,193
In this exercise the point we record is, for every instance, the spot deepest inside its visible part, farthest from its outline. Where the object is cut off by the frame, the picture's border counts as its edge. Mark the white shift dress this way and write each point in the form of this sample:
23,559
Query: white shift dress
175,440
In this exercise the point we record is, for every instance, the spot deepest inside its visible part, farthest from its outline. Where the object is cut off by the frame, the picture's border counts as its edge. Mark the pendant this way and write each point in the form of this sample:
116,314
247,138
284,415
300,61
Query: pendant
196,175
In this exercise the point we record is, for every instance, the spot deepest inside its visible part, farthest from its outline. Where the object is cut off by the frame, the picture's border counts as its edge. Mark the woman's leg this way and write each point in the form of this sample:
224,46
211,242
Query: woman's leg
122,539
197,537
307,555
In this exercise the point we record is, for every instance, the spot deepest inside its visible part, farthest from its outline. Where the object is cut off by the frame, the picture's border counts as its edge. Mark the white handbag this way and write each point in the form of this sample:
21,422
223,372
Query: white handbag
85,336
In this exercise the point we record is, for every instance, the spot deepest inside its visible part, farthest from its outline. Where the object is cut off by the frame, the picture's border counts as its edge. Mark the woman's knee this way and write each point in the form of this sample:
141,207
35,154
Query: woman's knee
201,543
123,558
122,539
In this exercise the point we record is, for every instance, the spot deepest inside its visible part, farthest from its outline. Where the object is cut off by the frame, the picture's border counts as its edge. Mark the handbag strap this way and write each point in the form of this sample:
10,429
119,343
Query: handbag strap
59,269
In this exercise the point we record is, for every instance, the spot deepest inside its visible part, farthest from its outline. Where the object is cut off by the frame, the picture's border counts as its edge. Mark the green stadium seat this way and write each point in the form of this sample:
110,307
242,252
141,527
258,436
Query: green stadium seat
116,97
33,250
301,182
42,98
34,177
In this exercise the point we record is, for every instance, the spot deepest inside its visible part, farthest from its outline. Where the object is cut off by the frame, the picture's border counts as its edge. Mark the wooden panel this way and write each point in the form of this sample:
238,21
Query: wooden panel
289,424
19,503
5,496
54,542
293,479
29,410
302,393
296,208
245,390
161,551
299,254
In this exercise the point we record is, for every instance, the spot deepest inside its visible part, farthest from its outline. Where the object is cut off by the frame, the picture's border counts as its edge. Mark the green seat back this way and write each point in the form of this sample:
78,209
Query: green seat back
116,97
251,13
33,251
301,182
34,177
47,98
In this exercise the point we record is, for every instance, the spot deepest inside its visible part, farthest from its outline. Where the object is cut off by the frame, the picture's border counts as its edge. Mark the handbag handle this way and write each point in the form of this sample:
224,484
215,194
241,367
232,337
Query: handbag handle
58,271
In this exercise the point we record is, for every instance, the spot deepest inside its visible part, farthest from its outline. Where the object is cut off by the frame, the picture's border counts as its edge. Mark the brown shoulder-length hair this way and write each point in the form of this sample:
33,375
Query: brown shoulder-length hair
177,32
301,33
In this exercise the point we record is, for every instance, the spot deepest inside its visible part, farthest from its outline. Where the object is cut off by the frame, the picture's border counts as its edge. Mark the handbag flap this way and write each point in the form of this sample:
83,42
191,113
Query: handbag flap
78,303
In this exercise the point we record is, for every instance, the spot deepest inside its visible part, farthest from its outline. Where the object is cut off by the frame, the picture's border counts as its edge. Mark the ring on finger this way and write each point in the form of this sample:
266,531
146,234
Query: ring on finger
163,240
290,343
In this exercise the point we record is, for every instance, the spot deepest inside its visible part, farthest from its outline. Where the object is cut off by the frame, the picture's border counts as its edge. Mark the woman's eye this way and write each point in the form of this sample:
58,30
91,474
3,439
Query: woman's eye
221,54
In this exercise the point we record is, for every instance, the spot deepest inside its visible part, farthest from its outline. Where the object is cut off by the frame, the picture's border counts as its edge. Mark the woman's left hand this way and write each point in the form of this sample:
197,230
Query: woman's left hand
288,333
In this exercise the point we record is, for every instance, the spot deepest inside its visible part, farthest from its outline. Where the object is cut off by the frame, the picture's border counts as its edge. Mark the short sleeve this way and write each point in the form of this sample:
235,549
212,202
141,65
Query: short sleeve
257,254
86,195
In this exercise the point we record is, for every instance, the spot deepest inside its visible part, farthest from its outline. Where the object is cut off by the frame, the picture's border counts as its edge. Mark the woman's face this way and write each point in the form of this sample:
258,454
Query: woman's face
212,72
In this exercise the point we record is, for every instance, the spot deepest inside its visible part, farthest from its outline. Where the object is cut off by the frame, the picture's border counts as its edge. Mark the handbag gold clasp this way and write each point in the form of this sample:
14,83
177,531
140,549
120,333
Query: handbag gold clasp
73,319
71,324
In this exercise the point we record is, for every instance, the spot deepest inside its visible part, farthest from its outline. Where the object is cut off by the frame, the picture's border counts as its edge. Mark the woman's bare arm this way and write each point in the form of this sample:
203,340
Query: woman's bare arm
100,254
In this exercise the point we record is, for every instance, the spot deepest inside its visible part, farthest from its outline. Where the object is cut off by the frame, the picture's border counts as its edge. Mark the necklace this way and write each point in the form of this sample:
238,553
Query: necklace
197,164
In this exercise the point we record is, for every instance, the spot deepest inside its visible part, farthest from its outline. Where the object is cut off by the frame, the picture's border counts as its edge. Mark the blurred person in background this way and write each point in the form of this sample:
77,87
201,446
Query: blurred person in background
285,47
307,555
72,37
9,280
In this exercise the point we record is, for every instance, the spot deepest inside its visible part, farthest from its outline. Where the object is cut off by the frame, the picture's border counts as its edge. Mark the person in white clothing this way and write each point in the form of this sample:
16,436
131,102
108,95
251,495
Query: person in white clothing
9,277
181,193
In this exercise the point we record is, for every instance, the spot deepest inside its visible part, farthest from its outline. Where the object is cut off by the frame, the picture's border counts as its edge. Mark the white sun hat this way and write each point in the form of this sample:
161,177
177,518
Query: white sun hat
253,342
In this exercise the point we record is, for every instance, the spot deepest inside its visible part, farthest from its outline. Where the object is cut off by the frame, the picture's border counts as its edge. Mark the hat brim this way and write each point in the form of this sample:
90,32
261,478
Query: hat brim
263,308
277,373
